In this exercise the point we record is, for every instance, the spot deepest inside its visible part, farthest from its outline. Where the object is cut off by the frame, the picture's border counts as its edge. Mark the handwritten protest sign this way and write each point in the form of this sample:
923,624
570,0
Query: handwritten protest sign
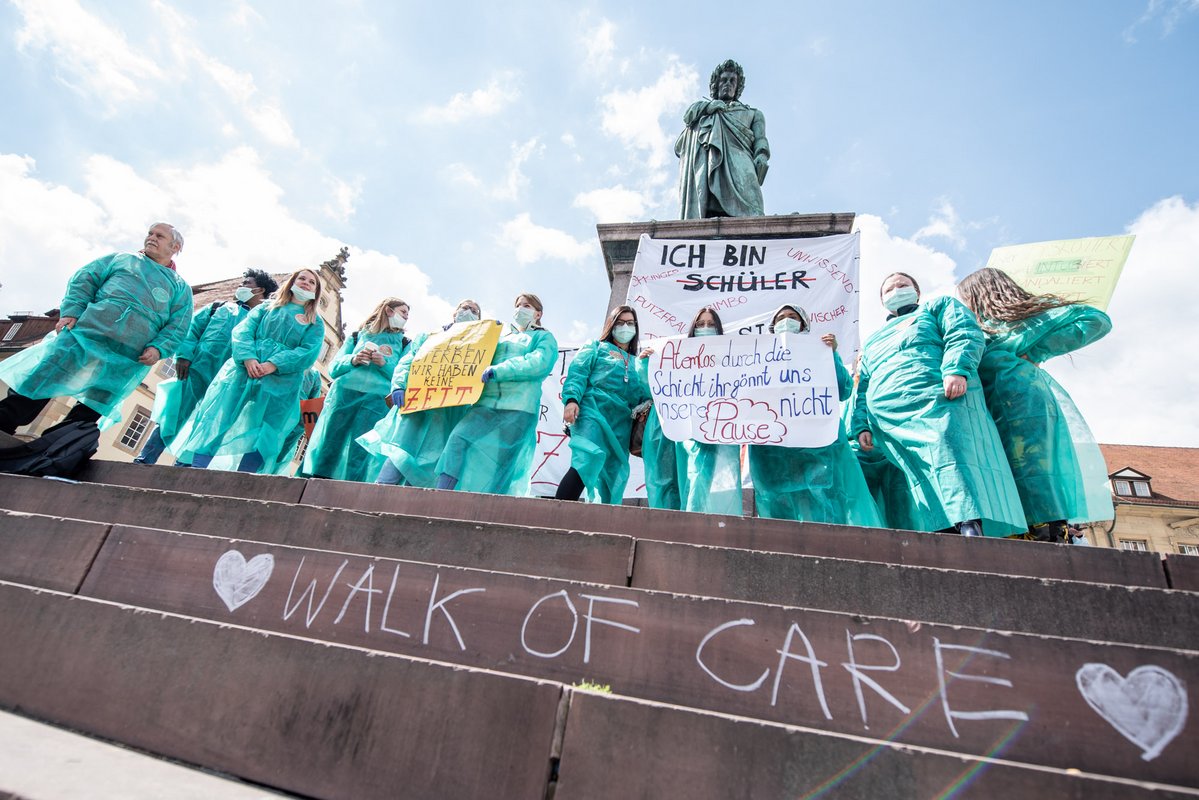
447,368
1084,270
745,281
777,390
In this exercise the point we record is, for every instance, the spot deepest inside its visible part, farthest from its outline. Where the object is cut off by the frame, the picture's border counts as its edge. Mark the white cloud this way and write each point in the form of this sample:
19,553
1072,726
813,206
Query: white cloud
343,198
579,333
93,58
530,242
599,46
943,224
516,180
1169,12
635,116
460,173
818,46
230,212
882,254
1139,384
614,204
488,101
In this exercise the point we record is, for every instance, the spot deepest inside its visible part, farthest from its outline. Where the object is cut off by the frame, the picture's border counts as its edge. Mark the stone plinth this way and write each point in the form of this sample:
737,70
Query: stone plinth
619,240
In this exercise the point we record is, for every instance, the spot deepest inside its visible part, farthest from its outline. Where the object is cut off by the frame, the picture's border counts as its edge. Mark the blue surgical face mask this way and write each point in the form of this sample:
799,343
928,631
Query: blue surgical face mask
788,325
465,315
624,333
903,296
243,294
303,295
706,332
523,316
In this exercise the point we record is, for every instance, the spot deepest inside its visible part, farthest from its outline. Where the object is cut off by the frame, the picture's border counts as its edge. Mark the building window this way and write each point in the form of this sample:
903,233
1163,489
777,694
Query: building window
166,368
301,448
136,430
12,331
1122,488
1137,545
1189,549
1141,488
324,301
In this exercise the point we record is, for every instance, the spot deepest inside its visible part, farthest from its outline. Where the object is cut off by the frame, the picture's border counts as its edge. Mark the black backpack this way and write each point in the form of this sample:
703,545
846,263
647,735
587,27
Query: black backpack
60,452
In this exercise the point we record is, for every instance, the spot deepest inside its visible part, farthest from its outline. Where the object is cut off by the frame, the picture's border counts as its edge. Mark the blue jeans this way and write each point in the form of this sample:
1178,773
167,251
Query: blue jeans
390,475
152,449
250,462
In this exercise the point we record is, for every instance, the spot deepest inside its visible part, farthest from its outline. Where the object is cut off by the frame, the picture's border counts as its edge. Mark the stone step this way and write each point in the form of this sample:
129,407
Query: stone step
957,689
1099,565
1183,571
333,721
1104,612
604,558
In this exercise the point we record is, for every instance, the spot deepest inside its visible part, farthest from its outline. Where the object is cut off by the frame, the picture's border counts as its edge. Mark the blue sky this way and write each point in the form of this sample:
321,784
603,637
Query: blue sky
470,149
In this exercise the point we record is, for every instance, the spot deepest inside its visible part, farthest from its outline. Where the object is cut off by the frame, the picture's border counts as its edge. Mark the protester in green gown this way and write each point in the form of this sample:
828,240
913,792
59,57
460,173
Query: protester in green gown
920,400
696,476
122,313
310,389
600,391
411,444
357,399
1047,462
491,448
811,484
254,401
205,349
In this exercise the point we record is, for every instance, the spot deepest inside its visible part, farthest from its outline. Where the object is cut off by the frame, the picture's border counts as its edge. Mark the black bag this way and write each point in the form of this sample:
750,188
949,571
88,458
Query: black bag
60,452
637,434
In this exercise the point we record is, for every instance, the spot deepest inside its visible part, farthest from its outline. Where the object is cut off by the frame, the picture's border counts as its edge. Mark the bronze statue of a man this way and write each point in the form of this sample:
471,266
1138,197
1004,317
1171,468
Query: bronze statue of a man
723,151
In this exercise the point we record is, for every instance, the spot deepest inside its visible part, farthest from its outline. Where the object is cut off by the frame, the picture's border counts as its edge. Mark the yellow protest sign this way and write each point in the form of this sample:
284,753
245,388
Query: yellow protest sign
1084,270
448,365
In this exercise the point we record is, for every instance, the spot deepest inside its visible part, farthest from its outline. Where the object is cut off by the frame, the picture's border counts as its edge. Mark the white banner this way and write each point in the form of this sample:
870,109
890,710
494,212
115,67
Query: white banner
777,390
553,445
745,280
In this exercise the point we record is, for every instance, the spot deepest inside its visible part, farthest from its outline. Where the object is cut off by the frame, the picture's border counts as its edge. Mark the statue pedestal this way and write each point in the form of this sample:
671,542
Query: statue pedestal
619,239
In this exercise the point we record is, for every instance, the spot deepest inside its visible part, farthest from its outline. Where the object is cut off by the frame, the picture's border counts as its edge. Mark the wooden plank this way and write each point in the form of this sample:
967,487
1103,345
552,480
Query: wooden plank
959,689
317,719
214,482
51,552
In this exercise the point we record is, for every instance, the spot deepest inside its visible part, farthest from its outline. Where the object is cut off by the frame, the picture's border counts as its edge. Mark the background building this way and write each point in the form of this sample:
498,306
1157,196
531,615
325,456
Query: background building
123,441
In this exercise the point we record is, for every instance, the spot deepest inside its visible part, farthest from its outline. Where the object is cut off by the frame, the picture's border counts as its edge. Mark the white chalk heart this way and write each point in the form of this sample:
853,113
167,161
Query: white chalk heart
1148,708
237,581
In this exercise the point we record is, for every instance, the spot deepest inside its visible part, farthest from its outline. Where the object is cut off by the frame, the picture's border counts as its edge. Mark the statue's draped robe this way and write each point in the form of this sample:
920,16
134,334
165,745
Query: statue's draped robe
716,167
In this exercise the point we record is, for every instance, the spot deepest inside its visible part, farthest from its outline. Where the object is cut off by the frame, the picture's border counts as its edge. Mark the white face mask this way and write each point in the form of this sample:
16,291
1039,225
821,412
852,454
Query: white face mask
903,296
303,295
624,333
523,316
397,321
788,325
243,294
706,332
465,315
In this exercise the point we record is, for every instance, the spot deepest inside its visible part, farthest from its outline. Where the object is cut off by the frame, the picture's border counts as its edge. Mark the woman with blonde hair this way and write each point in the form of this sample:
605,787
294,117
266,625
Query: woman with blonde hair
357,400
254,400
1053,456
491,448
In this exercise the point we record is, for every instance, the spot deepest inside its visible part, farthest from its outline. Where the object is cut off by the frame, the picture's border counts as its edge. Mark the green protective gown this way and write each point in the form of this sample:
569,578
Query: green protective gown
814,484
887,483
310,389
240,414
948,449
208,345
123,303
1047,444
414,442
659,455
491,448
357,401
710,477
602,379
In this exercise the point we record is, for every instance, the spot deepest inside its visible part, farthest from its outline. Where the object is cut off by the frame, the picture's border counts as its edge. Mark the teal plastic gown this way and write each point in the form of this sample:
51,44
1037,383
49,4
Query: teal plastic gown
124,303
310,389
414,442
1034,415
887,483
710,477
948,449
602,379
814,484
239,414
208,345
491,448
659,455
357,401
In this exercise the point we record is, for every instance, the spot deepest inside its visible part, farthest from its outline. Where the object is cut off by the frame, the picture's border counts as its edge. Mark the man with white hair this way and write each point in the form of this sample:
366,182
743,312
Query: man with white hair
122,313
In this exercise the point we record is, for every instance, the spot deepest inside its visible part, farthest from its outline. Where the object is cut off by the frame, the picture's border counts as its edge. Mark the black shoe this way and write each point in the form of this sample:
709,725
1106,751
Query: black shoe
1050,531
970,527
